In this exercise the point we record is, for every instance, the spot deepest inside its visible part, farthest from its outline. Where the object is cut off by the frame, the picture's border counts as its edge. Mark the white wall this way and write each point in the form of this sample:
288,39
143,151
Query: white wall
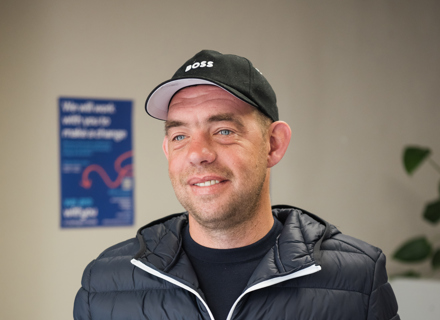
356,80
418,299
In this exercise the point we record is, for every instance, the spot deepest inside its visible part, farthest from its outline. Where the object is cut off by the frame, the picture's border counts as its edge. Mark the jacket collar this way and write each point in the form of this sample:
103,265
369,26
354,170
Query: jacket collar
161,245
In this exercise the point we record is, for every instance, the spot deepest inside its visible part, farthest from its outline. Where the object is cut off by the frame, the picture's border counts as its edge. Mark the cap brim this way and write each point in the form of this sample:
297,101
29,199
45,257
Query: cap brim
159,99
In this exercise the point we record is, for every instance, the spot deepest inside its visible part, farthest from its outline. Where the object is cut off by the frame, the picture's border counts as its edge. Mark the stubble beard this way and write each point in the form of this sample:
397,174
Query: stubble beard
238,209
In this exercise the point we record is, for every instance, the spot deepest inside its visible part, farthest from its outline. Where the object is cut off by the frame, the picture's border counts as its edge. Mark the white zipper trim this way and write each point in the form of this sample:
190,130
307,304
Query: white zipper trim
139,264
271,282
263,284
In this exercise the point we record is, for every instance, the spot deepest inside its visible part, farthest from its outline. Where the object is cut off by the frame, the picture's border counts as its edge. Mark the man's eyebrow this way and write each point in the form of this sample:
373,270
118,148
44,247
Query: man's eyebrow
230,117
172,124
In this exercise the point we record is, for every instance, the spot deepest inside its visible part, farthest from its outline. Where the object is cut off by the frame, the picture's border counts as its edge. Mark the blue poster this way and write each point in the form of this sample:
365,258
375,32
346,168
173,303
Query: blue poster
96,162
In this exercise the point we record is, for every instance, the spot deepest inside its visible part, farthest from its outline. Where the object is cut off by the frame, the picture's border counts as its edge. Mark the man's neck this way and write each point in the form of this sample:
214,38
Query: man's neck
241,235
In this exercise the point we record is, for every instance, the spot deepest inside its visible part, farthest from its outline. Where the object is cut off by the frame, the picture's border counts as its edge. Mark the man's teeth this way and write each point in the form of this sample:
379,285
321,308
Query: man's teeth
207,183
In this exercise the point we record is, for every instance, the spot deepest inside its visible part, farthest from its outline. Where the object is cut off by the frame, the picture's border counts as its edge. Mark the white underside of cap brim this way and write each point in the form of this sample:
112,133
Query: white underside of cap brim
159,100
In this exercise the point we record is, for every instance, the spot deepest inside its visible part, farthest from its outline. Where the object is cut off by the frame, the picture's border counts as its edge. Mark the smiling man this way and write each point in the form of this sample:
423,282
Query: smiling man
219,159
231,255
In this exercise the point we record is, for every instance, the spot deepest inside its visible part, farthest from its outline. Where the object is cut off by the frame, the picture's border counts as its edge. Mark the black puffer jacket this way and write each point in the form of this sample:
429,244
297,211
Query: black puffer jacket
312,272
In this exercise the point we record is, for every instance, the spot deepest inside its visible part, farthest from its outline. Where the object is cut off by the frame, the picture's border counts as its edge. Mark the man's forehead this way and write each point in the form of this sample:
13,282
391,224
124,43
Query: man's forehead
216,117
206,99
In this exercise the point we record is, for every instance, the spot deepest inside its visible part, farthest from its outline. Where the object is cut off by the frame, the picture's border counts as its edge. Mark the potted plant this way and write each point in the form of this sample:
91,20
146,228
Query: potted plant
418,298
421,248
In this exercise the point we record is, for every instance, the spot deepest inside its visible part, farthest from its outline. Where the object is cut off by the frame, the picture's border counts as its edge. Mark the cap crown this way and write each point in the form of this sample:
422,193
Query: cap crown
231,72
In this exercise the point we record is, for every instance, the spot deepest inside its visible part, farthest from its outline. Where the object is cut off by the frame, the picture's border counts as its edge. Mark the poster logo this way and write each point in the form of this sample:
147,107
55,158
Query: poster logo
126,171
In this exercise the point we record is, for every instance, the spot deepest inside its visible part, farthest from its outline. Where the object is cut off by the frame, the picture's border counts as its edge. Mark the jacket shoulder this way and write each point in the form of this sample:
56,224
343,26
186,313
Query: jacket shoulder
115,259
112,287
364,269
352,264
99,274
350,245
112,270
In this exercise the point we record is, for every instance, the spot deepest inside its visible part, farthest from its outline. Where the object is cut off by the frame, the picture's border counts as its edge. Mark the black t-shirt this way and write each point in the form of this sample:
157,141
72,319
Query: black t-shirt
223,273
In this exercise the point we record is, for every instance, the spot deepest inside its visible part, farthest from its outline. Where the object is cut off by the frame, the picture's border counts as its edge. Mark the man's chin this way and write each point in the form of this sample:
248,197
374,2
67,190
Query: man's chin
216,217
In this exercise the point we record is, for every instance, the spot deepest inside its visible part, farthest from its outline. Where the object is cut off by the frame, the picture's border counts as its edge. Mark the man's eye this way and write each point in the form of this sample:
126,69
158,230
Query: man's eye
179,137
225,132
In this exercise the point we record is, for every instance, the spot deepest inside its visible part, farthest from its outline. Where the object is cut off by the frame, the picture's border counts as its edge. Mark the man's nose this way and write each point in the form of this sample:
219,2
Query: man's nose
201,150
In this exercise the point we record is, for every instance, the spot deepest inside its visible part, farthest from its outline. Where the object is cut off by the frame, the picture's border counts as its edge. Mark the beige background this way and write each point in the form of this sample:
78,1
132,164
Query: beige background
356,80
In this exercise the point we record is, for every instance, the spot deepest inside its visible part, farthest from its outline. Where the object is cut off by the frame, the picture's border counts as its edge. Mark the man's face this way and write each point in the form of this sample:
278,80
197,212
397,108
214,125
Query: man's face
217,156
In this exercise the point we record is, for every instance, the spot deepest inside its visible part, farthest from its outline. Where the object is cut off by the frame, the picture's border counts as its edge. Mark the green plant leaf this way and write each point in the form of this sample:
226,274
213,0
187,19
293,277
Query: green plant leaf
414,250
432,211
413,157
435,262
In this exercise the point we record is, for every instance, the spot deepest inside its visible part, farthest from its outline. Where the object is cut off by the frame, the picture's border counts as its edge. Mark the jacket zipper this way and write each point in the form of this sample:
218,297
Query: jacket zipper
271,282
260,285
154,272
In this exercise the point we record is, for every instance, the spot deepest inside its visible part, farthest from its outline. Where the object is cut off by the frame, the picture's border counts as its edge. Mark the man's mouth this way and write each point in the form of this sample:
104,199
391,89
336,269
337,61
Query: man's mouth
207,183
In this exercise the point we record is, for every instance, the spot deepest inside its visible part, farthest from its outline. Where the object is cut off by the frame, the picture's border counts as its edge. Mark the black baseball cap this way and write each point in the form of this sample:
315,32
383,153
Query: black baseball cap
233,73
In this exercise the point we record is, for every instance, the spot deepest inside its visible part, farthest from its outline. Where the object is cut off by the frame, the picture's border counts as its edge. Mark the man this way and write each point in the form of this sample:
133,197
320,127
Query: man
231,255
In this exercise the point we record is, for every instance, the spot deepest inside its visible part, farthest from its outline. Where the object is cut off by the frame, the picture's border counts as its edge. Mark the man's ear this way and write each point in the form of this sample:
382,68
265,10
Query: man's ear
279,137
165,146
